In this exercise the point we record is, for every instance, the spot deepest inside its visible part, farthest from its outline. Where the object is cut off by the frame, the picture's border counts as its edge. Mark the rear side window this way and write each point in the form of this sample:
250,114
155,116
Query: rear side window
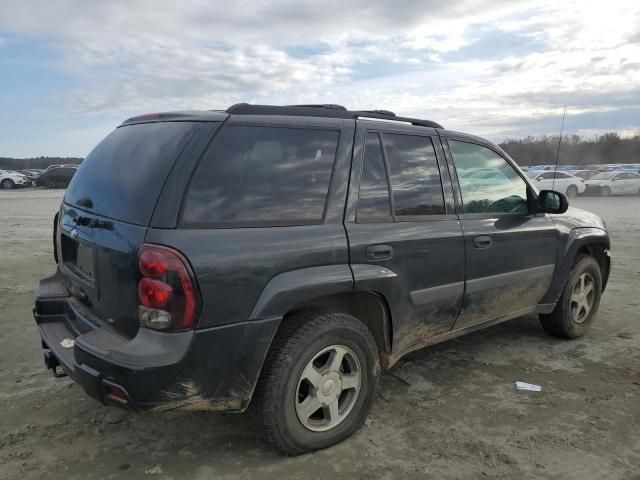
123,175
373,199
260,176
415,177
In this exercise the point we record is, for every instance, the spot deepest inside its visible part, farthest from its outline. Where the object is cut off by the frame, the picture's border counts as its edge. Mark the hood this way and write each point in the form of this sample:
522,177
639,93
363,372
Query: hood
577,218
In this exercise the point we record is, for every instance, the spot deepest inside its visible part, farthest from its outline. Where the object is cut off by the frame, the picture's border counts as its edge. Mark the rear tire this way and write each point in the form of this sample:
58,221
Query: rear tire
579,302
51,185
572,191
8,184
336,353
605,192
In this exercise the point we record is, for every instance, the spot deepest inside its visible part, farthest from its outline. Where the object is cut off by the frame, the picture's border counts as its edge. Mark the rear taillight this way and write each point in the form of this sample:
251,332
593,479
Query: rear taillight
167,293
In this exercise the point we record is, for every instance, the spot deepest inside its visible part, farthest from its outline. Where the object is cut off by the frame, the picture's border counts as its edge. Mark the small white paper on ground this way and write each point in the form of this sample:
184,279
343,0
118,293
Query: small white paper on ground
528,386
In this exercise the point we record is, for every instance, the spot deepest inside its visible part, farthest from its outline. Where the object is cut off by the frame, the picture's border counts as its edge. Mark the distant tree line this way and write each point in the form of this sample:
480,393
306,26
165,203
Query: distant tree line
574,150
39,162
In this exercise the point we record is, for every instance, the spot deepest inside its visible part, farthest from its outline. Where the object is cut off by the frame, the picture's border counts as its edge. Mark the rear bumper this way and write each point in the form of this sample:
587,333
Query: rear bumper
209,369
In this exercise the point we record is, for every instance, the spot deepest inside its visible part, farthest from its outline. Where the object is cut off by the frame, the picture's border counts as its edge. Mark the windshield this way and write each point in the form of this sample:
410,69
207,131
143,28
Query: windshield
603,176
533,174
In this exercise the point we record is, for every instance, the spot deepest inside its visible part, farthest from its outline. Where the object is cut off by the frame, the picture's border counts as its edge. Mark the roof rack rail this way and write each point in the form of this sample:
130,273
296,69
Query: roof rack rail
379,112
385,116
331,106
325,110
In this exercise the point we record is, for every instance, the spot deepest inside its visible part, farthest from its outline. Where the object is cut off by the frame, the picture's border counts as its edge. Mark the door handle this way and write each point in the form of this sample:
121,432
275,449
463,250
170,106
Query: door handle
379,252
482,241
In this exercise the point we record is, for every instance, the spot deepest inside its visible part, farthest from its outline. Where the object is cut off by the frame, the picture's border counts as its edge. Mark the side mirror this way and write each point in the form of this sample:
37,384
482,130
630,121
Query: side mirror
550,201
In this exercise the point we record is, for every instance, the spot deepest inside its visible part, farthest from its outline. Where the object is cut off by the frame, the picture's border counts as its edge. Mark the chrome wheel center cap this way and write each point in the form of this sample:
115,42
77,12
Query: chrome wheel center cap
330,387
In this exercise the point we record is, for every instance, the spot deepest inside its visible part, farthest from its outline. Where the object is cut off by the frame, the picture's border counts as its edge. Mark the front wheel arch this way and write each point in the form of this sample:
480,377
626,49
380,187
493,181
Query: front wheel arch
592,241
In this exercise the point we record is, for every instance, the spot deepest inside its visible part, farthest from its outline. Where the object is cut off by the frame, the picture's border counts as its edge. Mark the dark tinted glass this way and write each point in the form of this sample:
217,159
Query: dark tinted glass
415,178
373,199
123,175
502,192
262,176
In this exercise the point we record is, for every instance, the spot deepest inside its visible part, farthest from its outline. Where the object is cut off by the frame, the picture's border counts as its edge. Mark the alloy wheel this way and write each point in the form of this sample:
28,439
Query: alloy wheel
328,388
582,297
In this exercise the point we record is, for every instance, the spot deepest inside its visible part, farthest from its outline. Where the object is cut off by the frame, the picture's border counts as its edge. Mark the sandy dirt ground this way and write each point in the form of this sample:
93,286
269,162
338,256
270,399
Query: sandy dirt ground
446,412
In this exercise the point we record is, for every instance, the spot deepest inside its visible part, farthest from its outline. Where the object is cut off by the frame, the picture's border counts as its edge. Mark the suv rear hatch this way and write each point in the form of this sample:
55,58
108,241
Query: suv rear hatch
105,214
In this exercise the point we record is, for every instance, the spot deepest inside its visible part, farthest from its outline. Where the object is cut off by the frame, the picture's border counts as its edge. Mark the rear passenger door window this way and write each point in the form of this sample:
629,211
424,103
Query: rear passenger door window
503,192
373,198
262,176
414,175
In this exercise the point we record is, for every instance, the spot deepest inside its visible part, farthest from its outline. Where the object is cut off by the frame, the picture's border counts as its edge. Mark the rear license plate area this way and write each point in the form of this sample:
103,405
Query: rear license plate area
78,257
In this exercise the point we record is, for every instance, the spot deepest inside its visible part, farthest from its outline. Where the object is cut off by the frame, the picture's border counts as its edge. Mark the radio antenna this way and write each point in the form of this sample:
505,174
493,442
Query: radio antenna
553,185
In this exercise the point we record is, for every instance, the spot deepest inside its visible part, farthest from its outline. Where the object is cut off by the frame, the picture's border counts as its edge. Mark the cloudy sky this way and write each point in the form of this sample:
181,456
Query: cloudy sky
72,70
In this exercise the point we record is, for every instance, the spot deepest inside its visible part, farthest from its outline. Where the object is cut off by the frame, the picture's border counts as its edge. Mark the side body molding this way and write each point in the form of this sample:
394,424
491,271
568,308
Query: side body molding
578,237
288,289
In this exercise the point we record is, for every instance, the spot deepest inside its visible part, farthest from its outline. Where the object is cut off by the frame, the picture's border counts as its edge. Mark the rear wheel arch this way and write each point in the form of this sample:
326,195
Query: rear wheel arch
370,308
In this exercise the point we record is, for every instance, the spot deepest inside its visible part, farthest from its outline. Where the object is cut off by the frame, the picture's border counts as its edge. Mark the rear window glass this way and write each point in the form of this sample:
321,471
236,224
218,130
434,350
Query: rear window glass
415,177
373,199
262,176
123,175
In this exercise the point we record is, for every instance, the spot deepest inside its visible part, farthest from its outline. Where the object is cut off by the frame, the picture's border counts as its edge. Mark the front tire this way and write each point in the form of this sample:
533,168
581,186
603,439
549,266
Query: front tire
51,185
7,184
579,302
318,382
605,192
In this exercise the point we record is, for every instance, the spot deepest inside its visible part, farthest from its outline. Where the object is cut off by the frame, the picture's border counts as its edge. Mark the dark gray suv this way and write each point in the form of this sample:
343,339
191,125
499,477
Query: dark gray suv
279,258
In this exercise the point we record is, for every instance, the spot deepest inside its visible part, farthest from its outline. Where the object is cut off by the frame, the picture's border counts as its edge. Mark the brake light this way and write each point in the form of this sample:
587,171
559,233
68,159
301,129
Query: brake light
167,293
154,293
153,263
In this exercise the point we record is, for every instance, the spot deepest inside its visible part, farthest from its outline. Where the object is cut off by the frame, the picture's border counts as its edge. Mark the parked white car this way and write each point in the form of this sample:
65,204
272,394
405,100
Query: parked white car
614,183
558,181
9,180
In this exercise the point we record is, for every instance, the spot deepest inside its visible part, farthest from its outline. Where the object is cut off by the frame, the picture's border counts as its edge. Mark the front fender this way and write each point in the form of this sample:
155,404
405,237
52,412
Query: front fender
576,239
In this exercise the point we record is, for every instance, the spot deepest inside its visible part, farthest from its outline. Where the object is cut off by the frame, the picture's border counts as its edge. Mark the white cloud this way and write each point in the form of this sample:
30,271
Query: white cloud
411,56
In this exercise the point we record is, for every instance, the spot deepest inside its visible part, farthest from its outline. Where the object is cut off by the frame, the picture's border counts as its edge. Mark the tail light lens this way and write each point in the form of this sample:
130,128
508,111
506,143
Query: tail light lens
167,292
